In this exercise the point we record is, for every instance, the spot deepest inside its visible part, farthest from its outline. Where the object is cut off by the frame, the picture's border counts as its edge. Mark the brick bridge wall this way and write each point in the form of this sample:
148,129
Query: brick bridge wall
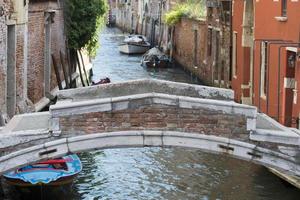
158,117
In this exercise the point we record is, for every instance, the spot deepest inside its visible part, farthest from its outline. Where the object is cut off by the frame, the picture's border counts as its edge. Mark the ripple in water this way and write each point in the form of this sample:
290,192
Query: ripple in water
157,173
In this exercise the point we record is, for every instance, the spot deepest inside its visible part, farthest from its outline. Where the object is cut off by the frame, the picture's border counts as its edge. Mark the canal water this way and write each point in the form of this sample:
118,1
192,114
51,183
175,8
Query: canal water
159,173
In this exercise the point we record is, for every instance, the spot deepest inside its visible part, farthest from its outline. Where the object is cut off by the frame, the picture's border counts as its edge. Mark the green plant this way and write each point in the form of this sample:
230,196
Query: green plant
173,16
195,9
83,19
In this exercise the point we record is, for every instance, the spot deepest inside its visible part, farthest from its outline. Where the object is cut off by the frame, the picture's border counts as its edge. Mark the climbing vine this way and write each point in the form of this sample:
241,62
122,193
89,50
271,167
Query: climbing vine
83,19
194,9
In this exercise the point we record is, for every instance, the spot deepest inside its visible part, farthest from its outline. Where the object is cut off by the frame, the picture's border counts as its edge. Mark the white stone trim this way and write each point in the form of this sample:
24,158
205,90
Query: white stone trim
293,49
128,139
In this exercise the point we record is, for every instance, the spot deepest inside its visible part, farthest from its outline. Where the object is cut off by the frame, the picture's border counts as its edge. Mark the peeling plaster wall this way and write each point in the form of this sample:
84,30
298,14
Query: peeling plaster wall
6,5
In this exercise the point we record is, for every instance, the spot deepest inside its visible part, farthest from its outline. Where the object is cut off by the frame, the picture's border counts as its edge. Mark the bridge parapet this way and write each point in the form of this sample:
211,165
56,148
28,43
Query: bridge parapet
143,86
154,111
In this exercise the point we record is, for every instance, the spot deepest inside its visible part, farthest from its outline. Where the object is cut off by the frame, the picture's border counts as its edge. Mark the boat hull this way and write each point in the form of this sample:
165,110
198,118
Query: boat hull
133,48
49,172
59,182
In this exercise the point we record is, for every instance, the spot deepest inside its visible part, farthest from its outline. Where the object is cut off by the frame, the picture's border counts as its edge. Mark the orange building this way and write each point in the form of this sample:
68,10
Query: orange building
266,57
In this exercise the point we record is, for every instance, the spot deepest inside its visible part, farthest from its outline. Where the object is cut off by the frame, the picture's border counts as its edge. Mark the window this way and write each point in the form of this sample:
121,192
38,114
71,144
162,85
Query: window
284,8
209,13
263,69
195,47
209,42
226,12
291,60
217,65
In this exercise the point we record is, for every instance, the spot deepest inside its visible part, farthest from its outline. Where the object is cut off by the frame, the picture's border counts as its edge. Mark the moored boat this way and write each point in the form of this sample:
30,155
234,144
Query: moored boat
155,58
51,172
102,81
134,44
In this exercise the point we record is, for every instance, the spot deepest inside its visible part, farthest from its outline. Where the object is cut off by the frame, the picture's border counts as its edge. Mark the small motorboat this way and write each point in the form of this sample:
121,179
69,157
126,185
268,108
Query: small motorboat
51,172
155,58
134,44
102,81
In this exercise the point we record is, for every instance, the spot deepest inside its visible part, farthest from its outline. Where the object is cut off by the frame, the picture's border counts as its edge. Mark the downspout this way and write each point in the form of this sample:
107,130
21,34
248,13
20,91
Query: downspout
279,68
231,41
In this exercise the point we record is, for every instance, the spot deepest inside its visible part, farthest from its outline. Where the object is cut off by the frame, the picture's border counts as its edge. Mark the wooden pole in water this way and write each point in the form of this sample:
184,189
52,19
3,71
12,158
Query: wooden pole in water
56,70
62,61
70,68
79,68
84,70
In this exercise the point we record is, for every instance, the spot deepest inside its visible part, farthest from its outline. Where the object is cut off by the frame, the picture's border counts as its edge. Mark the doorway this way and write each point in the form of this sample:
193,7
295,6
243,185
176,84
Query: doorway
289,89
11,71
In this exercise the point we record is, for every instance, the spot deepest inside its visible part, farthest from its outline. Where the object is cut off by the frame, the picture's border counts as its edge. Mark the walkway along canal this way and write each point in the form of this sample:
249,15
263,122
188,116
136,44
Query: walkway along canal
156,173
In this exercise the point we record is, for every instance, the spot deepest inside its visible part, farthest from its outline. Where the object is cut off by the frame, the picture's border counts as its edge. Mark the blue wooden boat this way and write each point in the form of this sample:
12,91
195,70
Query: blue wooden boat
51,172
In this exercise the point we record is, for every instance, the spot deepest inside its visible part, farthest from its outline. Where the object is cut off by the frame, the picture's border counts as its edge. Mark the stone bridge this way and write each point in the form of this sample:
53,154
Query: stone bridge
146,113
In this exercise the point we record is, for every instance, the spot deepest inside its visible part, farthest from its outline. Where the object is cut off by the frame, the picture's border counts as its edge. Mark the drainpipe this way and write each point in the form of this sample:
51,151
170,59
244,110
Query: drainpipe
295,44
253,52
230,47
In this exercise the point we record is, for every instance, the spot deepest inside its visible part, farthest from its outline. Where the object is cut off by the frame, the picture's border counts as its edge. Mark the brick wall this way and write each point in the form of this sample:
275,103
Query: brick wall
36,39
218,20
184,45
158,117
20,61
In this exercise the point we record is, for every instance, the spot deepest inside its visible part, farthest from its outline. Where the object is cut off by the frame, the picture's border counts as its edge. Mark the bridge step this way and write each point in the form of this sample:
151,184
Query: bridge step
28,122
269,130
275,136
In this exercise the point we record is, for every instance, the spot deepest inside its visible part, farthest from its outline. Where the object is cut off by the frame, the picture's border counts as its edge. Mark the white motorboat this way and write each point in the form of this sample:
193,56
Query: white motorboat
134,44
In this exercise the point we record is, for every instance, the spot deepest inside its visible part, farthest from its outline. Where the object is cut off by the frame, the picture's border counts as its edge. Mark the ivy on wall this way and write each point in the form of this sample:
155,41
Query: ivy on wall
194,9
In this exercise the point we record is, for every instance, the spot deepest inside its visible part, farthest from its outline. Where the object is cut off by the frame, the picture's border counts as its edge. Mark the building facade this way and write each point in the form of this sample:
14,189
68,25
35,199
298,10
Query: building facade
45,38
30,32
13,62
265,57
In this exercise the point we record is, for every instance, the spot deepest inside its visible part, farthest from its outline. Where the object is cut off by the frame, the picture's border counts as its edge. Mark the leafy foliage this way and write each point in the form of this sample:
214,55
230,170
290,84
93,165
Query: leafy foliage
174,15
195,9
83,19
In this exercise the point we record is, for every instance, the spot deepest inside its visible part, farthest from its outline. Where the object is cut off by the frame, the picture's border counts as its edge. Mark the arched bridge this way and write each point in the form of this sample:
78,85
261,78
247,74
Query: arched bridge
149,113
